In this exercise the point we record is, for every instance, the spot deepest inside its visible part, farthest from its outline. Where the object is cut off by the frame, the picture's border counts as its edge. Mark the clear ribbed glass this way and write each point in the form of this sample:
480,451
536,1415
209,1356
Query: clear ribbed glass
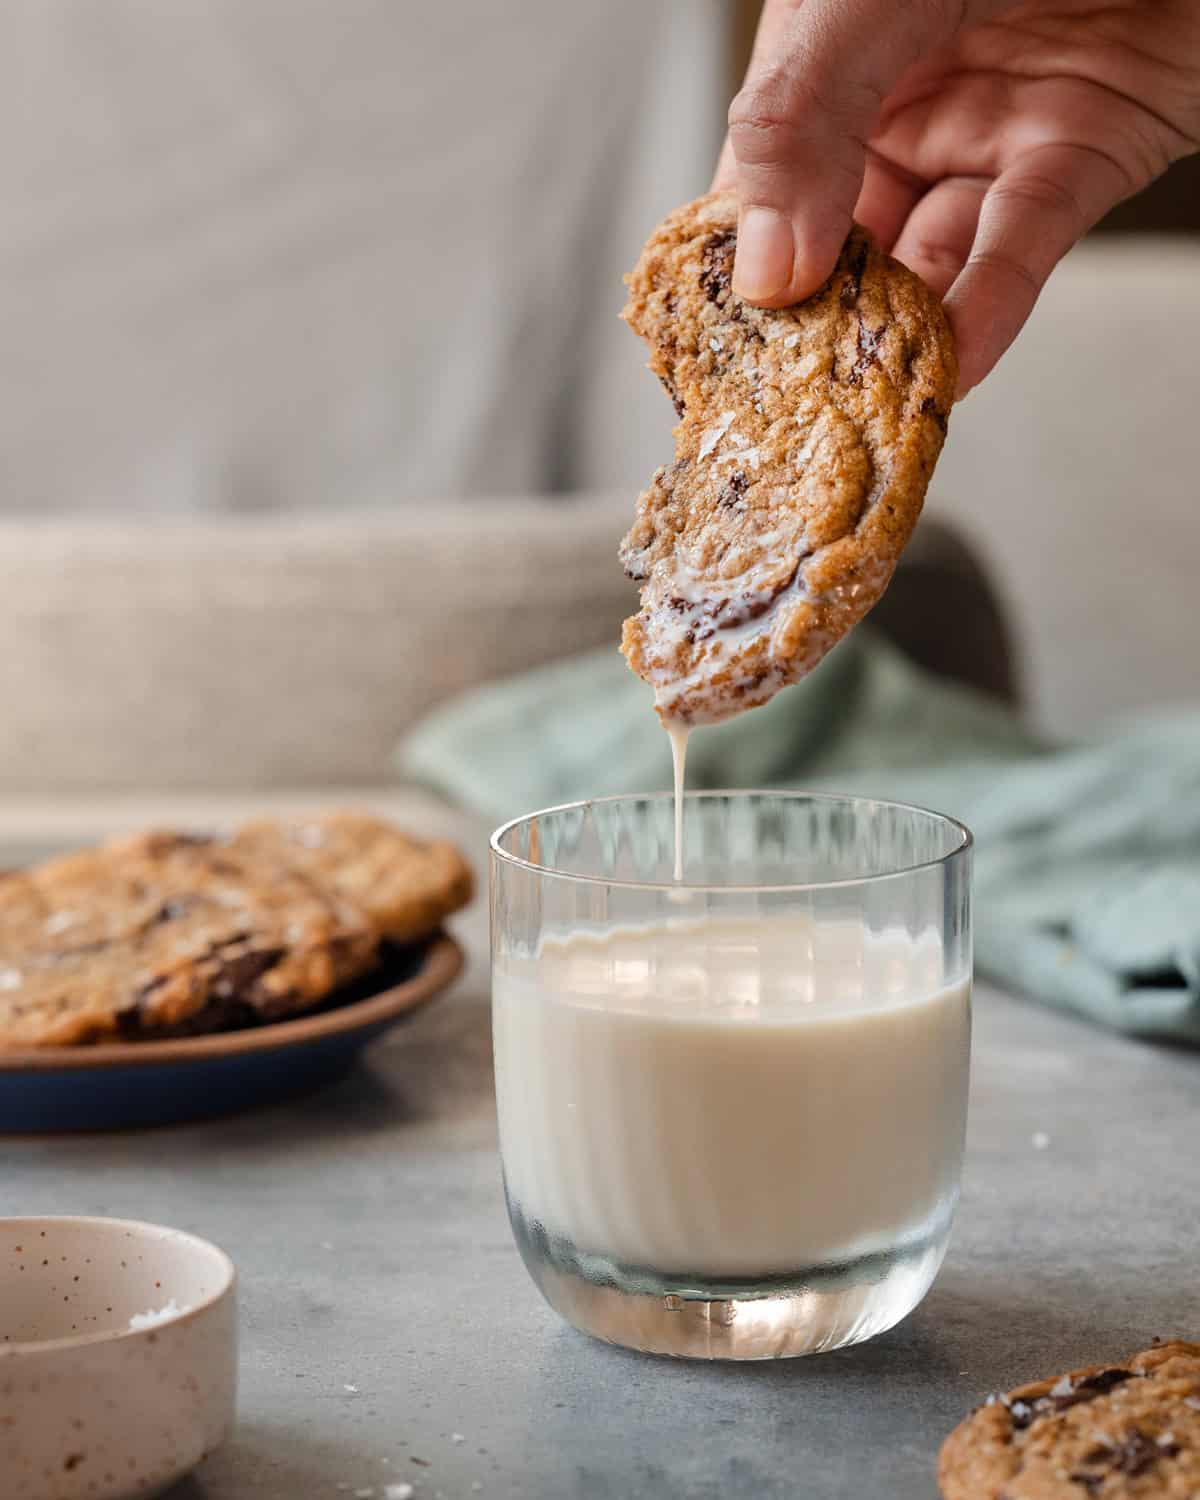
732,1108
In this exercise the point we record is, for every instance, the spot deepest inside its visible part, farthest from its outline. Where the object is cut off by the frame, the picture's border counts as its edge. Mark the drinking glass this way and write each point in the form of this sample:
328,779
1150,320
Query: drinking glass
732,1108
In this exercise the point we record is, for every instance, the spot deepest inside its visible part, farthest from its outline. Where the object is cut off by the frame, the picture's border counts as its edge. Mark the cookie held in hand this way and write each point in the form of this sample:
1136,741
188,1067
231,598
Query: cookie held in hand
806,440
1110,1431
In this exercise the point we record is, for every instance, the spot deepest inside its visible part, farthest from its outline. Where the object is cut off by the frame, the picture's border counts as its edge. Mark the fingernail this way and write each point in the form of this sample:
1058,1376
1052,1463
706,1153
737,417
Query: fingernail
765,254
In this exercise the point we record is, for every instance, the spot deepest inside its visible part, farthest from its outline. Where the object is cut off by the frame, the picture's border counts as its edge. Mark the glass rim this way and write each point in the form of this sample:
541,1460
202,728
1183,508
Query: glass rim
966,842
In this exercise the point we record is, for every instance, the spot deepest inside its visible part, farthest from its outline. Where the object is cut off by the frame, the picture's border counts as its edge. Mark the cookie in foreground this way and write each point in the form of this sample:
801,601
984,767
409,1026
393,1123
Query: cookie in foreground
406,886
1112,1431
806,440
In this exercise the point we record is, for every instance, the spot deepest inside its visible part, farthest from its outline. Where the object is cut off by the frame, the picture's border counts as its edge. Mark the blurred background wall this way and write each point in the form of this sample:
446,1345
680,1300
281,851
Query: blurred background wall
285,253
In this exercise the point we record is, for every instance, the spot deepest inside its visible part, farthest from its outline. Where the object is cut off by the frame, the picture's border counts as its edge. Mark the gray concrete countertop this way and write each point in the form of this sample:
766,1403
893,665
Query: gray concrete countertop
391,1336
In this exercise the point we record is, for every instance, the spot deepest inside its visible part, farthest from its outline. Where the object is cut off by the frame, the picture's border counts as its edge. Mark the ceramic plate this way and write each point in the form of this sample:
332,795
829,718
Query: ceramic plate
119,1084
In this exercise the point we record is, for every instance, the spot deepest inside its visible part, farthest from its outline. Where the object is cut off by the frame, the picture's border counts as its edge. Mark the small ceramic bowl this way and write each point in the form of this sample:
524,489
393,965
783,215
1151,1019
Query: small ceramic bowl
118,1357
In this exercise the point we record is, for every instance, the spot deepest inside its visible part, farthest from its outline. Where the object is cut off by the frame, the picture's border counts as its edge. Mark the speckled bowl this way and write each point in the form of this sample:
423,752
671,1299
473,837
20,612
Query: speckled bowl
92,1408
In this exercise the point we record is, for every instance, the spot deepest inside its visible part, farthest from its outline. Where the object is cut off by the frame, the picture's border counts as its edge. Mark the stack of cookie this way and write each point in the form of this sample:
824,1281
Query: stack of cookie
167,934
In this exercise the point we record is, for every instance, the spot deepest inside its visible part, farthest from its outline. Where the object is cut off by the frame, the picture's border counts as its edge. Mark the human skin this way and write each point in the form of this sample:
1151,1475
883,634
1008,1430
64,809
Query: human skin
977,140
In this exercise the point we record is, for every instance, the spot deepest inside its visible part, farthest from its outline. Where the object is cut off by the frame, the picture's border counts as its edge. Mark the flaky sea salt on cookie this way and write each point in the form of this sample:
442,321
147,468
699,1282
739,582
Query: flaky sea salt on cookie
806,442
1119,1432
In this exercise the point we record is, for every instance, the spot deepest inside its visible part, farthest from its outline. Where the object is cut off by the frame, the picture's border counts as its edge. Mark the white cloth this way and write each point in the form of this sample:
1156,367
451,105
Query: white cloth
288,253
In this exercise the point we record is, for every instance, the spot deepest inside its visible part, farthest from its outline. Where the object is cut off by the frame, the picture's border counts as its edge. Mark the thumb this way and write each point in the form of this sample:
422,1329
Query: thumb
799,126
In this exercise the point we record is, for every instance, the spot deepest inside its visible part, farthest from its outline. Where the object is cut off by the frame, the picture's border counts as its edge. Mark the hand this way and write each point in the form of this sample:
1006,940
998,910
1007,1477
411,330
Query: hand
978,141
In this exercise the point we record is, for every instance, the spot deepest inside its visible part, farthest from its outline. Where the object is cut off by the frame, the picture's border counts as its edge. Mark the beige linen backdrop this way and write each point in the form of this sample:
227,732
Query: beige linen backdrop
302,254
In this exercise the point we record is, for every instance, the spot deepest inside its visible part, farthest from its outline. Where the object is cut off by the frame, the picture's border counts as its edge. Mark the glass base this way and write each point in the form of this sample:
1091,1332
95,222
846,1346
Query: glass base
687,1317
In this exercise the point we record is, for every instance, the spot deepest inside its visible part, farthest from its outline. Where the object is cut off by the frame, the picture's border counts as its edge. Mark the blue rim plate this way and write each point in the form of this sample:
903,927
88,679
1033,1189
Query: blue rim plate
115,1085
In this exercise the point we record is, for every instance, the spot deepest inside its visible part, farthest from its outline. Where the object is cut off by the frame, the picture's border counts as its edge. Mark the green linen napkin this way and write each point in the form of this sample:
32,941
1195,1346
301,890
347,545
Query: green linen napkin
1087,874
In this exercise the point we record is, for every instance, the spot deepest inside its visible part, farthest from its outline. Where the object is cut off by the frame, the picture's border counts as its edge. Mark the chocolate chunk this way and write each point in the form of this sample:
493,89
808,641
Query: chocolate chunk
736,313
238,969
1134,1454
741,608
716,273
1091,1478
930,408
734,488
712,615
1065,1394
669,387
756,679
1090,1482
158,845
240,972
751,604
173,910
1138,1453
856,266
1021,1412
1088,1388
868,348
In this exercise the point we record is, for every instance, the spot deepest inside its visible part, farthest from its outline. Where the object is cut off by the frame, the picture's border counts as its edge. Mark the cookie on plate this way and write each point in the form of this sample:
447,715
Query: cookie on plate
1108,1431
406,886
166,934
806,439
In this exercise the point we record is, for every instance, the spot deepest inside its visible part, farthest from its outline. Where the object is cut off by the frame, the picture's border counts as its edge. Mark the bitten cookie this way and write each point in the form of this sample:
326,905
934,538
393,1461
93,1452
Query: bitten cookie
406,886
166,934
806,441
1107,1431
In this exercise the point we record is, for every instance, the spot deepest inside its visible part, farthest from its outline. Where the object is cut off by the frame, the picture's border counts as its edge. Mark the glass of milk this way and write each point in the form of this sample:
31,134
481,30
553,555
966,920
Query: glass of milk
732,1107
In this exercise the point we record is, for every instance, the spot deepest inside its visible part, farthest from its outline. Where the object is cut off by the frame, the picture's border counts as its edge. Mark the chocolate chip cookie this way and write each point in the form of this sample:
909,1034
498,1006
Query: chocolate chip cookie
806,439
1107,1431
406,886
166,934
